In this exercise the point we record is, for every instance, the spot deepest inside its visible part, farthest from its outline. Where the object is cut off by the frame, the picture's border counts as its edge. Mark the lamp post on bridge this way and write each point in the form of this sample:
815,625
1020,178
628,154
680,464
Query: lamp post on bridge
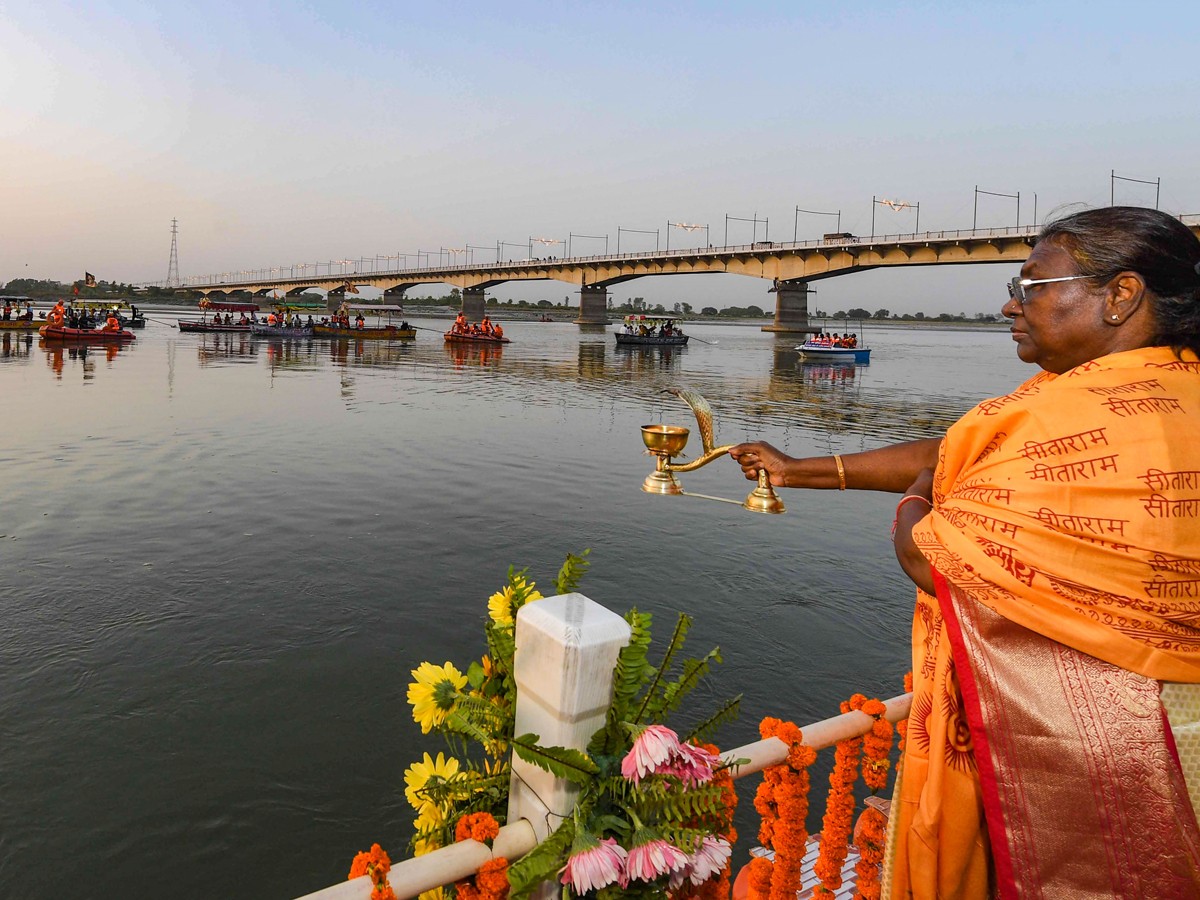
550,242
975,215
1113,178
655,232
754,234
895,206
473,247
500,245
591,237
813,212
684,226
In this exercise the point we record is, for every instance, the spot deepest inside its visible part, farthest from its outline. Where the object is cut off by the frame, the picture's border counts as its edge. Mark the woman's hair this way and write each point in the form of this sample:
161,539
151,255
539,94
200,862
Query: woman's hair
1105,242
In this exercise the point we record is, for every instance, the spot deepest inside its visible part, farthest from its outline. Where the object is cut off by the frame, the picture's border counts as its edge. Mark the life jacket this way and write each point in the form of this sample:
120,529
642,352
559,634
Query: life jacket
112,324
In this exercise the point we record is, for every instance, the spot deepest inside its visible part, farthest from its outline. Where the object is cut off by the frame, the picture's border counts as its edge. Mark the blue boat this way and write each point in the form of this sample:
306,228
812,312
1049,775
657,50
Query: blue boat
828,353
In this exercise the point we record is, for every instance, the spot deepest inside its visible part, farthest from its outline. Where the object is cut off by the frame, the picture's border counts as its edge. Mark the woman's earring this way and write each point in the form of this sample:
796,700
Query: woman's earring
1115,318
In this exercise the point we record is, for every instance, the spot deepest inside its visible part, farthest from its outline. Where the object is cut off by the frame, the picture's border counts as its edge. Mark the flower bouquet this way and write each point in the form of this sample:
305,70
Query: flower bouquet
655,809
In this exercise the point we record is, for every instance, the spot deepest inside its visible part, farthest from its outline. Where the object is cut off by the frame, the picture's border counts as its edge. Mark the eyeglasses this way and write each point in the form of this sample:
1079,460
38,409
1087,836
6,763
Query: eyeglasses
1016,287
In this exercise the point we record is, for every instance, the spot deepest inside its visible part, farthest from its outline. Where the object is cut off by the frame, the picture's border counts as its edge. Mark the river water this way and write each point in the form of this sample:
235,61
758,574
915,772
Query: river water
221,556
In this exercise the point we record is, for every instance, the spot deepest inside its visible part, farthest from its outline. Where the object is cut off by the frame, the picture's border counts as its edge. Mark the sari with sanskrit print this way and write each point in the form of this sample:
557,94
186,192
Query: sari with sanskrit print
1065,543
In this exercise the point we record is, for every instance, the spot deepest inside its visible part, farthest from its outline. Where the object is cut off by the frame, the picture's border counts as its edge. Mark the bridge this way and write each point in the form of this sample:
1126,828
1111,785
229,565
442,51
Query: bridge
789,266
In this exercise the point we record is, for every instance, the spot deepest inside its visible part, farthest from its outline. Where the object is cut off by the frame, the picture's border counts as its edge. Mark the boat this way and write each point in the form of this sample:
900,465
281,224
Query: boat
651,331
817,350
18,320
63,333
127,314
262,329
466,337
384,329
205,324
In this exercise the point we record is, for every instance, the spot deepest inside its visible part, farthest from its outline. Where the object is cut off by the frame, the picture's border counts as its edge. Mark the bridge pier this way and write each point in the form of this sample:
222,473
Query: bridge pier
593,305
791,308
395,294
474,304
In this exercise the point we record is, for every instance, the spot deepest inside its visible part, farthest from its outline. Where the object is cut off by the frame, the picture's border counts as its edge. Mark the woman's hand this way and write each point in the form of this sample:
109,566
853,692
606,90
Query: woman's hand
761,455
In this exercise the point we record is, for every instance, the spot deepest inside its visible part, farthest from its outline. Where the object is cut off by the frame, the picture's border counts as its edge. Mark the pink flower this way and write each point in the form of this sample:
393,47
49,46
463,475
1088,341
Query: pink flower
656,746
595,867
710,859
694,765
650,860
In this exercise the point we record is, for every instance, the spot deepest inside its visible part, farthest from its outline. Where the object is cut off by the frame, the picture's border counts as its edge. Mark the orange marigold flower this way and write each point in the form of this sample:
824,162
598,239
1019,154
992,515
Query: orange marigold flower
480,826
466,891
874,707
492,879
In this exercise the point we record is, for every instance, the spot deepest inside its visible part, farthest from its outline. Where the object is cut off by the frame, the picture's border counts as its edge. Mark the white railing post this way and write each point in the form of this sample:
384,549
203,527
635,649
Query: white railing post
567,647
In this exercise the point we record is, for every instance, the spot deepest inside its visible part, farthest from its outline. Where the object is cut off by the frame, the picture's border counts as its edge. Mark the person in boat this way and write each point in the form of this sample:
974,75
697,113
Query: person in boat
29,311
460,323
360,321
7,310
1053,535
497,331
272,319
112,323
487,325
853,341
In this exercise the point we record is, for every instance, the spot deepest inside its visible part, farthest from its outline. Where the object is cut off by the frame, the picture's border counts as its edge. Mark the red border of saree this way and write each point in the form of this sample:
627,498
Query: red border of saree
1082,791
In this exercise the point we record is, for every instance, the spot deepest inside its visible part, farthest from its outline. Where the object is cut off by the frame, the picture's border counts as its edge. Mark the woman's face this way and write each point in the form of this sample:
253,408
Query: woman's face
1061,325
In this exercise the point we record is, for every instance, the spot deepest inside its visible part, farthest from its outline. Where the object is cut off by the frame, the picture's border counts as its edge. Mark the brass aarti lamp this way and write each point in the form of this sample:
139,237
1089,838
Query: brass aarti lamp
667,441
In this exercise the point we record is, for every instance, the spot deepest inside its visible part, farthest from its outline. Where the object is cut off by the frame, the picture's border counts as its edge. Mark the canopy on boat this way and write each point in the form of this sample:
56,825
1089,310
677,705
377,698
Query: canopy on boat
638,317
300,307
377,308
100,304
219,306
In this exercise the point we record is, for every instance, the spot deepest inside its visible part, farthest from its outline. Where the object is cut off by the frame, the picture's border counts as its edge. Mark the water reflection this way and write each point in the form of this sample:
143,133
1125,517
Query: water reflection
481,355
647,360
299,354
15,346
217,347
58,353
365,353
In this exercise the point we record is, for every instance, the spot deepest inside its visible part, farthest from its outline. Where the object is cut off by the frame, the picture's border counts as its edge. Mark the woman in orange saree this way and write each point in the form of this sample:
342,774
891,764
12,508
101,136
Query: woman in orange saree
1054,537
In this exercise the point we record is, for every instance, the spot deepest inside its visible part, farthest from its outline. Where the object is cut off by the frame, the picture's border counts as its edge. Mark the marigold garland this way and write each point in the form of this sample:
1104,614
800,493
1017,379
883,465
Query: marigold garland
759,878
872,831
839,810
375,864
491,881
785,821
877,747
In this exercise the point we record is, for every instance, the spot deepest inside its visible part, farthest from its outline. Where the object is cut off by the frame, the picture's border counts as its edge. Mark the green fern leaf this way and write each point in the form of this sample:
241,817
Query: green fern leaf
572,572
542,863
726,713
682,626
574,765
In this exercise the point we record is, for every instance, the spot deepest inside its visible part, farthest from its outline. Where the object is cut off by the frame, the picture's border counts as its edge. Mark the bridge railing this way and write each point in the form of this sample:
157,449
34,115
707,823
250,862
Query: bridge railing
574,639
274,274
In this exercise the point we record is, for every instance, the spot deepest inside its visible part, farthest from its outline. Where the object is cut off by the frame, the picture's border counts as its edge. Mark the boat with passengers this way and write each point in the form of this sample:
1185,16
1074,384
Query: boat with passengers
17,313
220,316
845,348
92,335
651,331
126,313
288,321
387,324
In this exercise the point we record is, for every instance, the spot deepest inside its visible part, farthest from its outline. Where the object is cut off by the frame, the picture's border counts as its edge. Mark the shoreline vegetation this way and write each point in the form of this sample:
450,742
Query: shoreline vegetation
448,304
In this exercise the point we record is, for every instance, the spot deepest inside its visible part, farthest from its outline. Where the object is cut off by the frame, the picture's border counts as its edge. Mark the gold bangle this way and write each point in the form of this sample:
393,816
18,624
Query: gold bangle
841,472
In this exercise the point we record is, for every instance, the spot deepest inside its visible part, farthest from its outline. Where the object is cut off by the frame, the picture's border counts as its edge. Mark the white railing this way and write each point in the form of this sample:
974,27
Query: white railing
564,677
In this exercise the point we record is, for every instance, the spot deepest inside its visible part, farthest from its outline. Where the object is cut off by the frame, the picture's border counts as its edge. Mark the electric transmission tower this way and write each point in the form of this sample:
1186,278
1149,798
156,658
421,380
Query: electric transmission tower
173,266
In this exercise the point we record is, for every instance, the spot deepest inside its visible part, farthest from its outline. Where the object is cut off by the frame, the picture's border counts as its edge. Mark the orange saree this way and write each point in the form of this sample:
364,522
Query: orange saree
1065,542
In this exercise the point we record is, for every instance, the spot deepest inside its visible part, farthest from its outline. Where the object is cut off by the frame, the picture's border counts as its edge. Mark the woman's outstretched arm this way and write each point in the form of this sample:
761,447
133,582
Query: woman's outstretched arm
891,469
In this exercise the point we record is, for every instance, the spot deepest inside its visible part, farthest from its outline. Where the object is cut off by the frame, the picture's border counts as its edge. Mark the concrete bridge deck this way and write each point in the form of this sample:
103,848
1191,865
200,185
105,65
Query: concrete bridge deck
790,266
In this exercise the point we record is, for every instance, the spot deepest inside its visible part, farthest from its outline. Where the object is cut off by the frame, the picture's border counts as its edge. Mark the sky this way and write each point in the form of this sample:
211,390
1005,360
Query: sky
281,133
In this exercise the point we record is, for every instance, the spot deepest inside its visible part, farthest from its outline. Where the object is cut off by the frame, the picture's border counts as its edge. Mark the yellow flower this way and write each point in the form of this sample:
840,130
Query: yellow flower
417,777
500,606
526,590
434,693
436,894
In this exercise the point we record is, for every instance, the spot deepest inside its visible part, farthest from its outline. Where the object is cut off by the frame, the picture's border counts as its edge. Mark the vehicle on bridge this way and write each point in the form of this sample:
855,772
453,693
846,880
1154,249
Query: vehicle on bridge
651,331
217,323
389,324
839,237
